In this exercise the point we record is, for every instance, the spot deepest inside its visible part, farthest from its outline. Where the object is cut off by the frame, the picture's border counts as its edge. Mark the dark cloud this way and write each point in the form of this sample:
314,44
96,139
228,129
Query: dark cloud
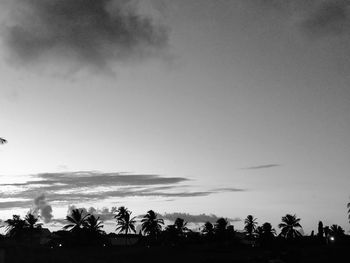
264,166
328,18
315,18
91,32
83,186
91,186
201,218
59,181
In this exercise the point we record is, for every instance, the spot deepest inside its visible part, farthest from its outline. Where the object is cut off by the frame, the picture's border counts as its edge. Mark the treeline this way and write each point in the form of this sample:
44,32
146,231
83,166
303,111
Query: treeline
87,229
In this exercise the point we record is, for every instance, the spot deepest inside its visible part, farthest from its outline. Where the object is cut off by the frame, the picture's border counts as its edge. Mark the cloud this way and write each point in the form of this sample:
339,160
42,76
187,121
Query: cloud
328,18
91,186
264,166
61,180
87,32
42,208
228,189
201,218
313,17
15,204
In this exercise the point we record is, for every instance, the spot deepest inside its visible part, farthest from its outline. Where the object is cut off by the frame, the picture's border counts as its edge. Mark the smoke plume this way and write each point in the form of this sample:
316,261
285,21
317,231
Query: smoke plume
42,208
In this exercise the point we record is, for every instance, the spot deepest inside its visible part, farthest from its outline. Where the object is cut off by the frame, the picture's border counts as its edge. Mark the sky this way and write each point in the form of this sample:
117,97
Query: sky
227,108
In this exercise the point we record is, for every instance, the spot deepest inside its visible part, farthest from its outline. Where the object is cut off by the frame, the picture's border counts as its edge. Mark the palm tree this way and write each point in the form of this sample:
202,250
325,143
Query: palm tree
3,141
15,226
336,231
151,225
221,225
268,231
326,231
121,212
208,229
288,225
320,230
259,232
76,220
126,223
265,234
94,225
250,225
31,221
180,226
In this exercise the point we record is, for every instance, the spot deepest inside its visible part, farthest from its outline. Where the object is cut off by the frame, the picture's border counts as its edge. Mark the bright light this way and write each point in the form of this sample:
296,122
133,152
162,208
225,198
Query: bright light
332,238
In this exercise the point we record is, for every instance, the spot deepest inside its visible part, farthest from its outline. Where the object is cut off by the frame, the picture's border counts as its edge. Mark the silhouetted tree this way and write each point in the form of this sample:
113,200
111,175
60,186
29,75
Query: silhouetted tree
92,232
336,231
125,223
2,141
31,221
288,225
122,211
208,229
259,232
320,230
15,226
250,225
151,225
180,226
265,233
175,233
94,225
220,229
76,220
268,231
221,225
326,233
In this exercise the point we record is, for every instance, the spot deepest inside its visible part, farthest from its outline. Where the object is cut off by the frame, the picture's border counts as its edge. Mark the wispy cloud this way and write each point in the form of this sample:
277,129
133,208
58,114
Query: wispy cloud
92,33
15,204
92,186
229,189
264,166
201,218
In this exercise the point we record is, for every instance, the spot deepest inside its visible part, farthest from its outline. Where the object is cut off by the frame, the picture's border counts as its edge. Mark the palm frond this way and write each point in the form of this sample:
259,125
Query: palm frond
68,226
71,219
282,225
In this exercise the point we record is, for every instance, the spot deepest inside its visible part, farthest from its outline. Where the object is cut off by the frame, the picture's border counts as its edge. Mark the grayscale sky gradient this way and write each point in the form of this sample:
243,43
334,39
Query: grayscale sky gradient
226,107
